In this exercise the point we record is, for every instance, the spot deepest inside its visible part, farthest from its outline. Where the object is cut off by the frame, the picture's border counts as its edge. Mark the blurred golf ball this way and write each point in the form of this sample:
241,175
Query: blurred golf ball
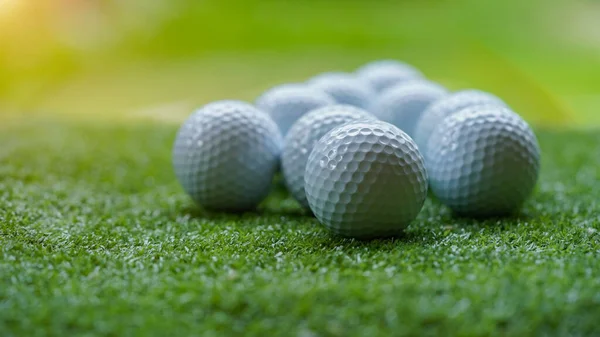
403,104
288,102
365,179
483,161
344,88
383,74
446,106
302,137
225,155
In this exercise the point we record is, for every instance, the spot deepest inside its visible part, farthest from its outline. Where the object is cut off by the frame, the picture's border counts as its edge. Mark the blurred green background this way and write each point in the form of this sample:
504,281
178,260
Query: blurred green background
159,59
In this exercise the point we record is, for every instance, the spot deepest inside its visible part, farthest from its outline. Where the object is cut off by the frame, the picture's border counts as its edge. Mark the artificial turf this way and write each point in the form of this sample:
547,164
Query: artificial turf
97,238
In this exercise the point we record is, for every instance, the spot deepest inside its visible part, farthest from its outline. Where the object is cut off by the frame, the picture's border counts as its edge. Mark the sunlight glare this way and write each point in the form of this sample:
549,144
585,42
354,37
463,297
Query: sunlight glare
9,6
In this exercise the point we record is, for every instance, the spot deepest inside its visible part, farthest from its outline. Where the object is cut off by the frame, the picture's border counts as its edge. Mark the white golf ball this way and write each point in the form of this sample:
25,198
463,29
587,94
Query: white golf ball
383,74
365,179
303,136
446,106
288,102
403,104
483,161
344,88
225,155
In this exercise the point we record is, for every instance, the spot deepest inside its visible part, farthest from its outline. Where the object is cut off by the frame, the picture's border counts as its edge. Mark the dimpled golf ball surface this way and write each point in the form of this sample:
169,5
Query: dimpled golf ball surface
383,74
344,88
303,136
365,179
288,102
447,106
403,104
484,161
225,155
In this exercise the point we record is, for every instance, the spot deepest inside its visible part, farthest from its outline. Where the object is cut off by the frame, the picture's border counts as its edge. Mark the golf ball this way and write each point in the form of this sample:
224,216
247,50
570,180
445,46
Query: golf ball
344,88
447,106
225,155
303,136
288,102
365,179
483,161
403,104
386,73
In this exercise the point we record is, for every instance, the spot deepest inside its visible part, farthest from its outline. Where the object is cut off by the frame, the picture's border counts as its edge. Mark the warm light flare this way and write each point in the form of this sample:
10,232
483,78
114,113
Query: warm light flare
9,6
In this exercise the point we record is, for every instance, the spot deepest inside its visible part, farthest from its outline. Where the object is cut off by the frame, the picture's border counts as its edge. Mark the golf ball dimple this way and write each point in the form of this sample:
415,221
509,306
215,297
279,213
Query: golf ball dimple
288,102
403,104
225,155
365,179
383,74
344,88
483,161
302,137
446,106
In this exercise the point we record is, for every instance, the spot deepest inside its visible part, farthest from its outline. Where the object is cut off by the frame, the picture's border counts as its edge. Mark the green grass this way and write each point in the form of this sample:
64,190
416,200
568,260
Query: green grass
97,238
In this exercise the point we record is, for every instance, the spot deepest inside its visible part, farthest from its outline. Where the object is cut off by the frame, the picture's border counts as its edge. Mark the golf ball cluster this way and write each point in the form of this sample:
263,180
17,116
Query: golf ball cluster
304,135
343,143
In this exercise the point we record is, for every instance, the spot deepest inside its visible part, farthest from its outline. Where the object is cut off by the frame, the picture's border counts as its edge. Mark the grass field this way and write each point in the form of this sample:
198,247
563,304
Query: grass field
98,239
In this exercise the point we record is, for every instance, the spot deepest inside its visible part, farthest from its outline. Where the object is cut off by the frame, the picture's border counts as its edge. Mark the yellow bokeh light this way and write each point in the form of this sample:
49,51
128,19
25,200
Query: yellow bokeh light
9,6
